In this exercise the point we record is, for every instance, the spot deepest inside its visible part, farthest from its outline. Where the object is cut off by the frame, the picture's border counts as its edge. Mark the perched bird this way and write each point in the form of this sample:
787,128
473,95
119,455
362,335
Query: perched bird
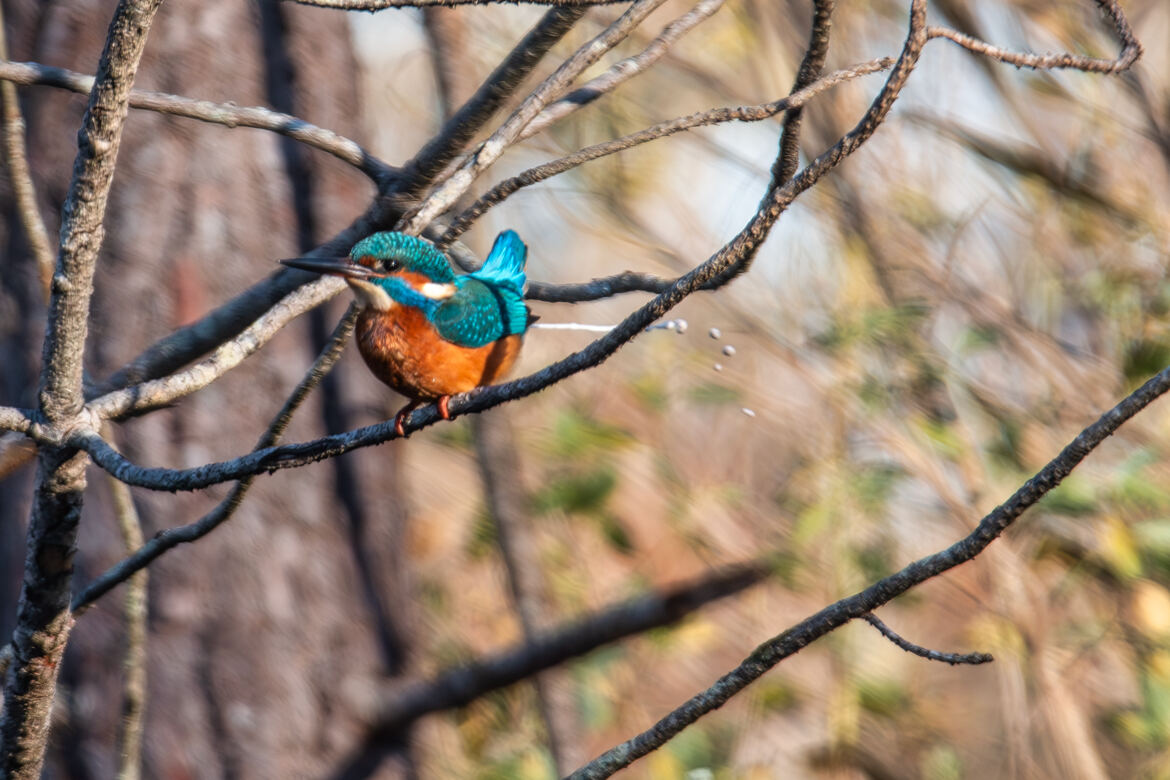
424,331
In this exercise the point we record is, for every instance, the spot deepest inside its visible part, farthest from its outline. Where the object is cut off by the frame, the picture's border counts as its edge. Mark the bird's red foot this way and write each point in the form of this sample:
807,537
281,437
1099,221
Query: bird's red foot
400,418
444,412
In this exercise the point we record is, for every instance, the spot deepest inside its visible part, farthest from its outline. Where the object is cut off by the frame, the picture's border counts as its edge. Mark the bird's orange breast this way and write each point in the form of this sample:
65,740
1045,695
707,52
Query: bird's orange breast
403,349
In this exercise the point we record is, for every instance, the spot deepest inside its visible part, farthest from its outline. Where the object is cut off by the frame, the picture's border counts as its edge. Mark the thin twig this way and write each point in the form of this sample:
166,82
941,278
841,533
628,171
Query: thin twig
624,70
24,192
134,660
506,188
954,659
1131,48
461,127
160,392
226,114
172,537
445,194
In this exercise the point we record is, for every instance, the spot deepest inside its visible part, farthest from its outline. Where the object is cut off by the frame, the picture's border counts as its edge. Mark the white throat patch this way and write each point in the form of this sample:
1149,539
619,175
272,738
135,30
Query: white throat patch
370,295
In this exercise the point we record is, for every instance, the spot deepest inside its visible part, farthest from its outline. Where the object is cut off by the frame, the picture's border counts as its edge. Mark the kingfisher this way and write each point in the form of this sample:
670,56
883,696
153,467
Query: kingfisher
423,330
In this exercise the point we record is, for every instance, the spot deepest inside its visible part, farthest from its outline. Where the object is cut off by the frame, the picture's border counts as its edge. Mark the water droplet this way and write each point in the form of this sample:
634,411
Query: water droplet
718,366
748,412
715,333
729,350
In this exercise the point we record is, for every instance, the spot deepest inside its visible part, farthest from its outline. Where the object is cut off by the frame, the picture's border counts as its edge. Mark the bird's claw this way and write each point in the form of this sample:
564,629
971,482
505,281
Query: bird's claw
444,412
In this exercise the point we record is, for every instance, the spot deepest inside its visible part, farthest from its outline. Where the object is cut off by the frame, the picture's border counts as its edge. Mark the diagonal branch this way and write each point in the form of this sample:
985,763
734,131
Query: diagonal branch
156,393
35,74
506,188
445,194
458,131
882,592
402,704
624,70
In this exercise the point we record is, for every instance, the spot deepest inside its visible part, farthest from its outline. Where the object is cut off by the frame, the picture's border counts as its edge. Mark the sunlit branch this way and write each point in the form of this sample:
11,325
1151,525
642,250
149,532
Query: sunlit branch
160,392
452,188
715,116
624,70
35,74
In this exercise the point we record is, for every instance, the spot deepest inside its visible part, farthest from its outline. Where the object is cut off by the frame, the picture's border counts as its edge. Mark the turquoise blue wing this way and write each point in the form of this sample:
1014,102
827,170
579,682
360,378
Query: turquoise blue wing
504,266
479,313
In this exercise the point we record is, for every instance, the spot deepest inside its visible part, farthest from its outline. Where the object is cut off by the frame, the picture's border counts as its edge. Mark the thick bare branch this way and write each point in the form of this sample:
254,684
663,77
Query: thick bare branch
43,616
445,194
165,540
402,704
624,70
35,74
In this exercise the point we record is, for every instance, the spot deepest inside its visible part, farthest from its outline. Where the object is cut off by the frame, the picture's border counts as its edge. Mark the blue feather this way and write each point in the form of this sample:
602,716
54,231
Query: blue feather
504,266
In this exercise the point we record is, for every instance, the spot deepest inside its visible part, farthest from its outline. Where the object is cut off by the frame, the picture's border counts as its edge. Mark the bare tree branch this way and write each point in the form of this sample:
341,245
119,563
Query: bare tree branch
738,252
23,190
953,659
504,189
344,149
402,704
134,660
43,616
445,194
624,70
160,392
462,126
172,537
14,419
882,592
1131,48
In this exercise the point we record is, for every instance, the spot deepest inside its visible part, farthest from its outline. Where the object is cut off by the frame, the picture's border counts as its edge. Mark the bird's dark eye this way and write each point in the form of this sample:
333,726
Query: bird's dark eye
392,264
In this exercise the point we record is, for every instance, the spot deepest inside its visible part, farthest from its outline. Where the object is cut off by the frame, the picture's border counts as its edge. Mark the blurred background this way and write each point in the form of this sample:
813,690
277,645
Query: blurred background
921,333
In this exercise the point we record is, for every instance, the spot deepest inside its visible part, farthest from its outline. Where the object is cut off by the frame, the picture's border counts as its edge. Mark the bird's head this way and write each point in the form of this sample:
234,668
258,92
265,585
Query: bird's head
382,267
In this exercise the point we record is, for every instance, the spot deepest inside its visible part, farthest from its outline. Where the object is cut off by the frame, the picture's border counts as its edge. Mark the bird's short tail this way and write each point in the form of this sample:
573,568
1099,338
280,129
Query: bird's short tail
504,266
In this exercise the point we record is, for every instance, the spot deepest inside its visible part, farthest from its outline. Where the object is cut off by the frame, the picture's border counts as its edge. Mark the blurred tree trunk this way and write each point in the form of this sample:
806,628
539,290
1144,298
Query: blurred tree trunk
198,212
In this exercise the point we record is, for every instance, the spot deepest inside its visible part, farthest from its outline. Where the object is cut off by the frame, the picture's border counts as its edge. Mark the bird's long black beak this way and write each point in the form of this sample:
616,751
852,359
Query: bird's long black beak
335,266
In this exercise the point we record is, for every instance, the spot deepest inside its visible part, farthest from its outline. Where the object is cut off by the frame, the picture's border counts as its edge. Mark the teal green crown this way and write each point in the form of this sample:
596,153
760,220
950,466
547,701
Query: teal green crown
415,254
